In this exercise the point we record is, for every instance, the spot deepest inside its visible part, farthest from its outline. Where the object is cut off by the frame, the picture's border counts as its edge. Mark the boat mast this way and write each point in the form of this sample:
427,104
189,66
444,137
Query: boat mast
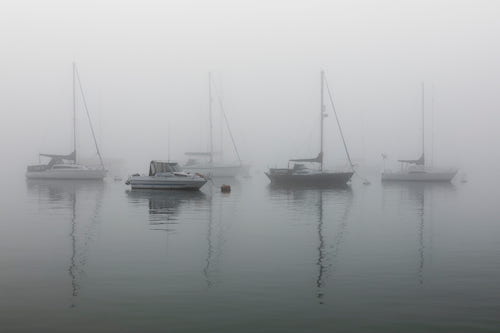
322,115
210,116
223,114
168,142
74,112
423,122
84,100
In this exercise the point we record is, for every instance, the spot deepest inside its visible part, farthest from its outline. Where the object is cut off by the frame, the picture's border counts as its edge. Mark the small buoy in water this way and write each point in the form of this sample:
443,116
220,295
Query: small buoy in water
225,188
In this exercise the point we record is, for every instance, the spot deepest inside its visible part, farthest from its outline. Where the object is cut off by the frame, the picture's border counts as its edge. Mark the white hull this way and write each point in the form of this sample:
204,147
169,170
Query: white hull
166,183
90,174
215,170
428,176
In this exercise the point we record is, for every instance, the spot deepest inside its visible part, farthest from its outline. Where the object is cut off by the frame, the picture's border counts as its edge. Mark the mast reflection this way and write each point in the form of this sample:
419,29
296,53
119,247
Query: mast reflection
61,194
327,251
420,198
215,232
165,210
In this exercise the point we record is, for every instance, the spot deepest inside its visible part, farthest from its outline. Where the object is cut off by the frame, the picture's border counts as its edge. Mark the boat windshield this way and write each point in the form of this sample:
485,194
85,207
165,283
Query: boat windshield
163,167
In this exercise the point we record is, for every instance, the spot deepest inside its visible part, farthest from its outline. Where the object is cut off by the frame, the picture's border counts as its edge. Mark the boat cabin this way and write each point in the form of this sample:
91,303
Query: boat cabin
158,167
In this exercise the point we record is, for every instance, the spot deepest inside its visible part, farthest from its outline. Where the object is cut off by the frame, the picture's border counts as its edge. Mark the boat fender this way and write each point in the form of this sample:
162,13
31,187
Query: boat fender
225,188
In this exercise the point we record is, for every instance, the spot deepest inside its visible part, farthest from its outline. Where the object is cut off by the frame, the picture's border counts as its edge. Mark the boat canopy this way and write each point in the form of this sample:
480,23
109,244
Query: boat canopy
69,157
317,159
59,159
420,161
160,166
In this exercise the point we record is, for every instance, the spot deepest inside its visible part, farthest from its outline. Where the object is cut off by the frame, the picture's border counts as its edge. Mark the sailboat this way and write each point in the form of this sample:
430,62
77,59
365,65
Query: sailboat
204,162
300,174
417,170
66,166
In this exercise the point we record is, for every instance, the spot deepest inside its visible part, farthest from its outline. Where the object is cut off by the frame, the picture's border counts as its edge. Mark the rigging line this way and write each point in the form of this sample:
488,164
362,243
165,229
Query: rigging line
338,124
88,116
219,99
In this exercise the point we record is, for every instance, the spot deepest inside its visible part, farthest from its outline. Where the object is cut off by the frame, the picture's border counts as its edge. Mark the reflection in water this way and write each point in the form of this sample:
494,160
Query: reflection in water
210,250
60,194
414,194
72,267
321,249
164,206
420,213
327,252
215,232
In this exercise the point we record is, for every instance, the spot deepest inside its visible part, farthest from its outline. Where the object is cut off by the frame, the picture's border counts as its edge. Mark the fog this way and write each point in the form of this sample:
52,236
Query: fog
144,68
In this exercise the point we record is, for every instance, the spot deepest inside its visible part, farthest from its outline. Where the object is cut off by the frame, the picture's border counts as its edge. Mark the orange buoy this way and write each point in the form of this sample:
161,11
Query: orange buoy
225,188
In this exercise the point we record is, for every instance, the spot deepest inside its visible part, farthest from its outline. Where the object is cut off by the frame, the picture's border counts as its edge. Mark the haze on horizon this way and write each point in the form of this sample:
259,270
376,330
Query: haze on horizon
144,66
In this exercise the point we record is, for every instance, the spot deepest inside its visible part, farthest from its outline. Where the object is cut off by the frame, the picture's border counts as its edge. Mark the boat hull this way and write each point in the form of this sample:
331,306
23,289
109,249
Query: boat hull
165,183
90,174
331,179
443,176
214,171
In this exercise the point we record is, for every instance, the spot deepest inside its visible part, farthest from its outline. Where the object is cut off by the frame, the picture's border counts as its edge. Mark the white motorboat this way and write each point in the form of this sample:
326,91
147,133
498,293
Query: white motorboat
66,166
417,170
166,176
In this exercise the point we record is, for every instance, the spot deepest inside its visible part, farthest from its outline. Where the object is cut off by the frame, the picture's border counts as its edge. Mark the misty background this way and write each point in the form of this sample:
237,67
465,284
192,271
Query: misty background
144,68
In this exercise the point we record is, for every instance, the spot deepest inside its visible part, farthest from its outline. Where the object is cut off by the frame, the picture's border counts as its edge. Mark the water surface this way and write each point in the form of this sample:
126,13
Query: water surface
81,257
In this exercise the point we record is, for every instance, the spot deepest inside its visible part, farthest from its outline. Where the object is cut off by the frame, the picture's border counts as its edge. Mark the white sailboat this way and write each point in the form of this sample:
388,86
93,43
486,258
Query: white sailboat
204,162
417,170
66,166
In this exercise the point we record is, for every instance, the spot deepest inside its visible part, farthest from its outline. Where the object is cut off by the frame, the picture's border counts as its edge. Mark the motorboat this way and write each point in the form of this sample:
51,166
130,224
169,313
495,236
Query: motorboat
166,176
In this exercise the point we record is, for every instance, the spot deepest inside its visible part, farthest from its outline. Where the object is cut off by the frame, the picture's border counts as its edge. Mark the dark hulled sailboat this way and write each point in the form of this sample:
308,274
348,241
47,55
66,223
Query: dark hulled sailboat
302,175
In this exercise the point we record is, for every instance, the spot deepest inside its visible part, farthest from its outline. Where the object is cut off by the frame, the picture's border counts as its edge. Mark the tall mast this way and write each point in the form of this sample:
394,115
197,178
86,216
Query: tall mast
322,115
74,111
168,144
210,116
423,122
84,100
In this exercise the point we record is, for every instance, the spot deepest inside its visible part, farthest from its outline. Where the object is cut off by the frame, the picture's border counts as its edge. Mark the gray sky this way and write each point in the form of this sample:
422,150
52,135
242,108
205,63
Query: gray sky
144,65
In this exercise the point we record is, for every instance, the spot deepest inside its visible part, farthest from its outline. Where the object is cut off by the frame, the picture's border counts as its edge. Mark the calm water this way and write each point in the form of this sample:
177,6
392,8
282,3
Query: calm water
91,257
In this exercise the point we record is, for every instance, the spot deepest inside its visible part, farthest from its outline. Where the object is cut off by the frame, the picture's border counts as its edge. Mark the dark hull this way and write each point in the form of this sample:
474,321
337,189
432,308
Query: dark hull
331,179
